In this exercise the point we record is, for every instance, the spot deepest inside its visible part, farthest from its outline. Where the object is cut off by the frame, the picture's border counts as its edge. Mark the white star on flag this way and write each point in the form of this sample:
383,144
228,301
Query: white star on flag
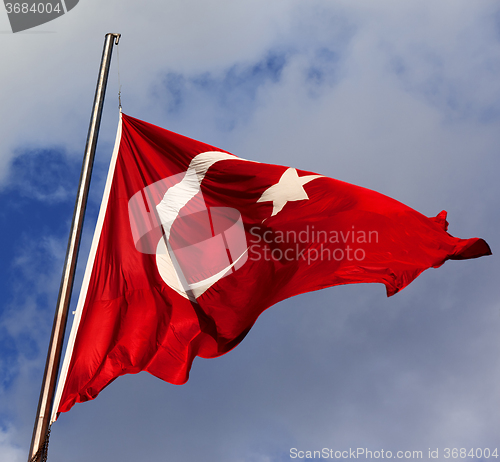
289,188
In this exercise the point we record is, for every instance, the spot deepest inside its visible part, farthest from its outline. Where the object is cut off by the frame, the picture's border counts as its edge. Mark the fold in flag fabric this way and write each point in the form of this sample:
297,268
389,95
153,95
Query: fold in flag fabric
192,244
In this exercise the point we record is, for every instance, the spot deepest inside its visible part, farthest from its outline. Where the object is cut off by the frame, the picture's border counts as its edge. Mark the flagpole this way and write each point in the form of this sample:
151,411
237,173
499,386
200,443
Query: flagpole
41,427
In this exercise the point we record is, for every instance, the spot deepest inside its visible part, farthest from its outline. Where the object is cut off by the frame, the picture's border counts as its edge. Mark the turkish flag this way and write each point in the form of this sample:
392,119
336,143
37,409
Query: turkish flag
193,244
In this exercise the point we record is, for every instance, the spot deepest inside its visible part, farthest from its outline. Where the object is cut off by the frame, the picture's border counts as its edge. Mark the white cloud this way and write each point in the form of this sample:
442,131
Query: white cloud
9,451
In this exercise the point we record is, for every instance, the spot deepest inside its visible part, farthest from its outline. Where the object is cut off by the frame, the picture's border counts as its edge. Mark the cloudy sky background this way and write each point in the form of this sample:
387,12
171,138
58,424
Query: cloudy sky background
398,96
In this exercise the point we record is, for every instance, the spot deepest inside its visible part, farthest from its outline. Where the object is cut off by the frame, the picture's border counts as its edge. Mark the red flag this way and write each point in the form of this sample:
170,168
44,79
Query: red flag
193,244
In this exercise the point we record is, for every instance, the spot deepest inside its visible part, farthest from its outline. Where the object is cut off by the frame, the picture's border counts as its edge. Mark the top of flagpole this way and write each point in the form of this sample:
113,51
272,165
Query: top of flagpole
47,391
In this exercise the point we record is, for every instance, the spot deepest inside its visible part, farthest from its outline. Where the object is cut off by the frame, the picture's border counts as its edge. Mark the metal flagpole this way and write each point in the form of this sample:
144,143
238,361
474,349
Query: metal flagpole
41,427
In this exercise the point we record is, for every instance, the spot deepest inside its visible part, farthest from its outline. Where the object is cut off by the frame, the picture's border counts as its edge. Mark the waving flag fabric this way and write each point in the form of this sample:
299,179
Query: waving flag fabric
193,244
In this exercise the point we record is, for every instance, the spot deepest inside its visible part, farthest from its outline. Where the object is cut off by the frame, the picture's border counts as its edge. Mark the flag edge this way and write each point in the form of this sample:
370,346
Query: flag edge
86,278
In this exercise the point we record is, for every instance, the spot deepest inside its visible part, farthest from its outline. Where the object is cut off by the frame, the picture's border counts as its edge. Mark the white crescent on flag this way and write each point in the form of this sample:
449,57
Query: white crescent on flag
175,198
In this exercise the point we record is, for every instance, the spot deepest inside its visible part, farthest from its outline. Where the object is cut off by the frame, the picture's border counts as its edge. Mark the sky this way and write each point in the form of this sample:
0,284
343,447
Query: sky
402,97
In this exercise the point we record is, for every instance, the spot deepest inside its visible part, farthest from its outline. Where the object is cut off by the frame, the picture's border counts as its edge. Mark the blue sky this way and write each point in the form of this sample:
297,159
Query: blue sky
400,97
